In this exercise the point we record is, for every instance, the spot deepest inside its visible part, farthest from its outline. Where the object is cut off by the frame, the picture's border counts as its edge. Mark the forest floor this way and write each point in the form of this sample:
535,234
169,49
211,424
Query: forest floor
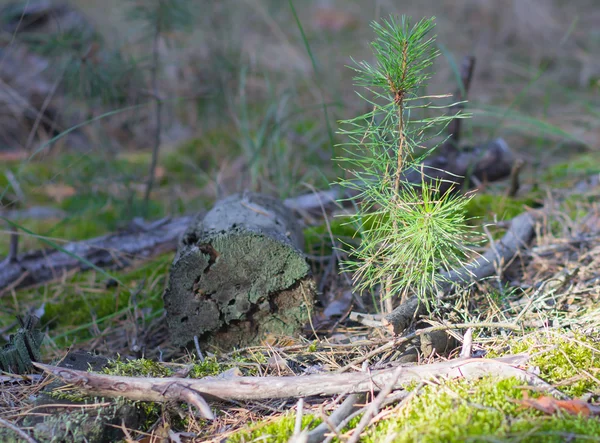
252,117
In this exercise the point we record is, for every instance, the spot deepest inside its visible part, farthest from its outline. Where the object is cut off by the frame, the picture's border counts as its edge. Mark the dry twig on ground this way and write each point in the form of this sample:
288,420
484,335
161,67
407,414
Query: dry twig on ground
194,391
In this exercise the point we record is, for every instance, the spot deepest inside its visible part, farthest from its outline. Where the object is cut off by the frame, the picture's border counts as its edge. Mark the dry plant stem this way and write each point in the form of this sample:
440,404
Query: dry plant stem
514,178
13,252
517,237
193,391
375,406
158,113
387,297
400,340
21,433
348,407
466,74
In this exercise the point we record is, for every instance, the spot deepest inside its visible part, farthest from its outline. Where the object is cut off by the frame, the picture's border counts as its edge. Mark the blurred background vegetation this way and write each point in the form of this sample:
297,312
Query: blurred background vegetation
246,94
251,90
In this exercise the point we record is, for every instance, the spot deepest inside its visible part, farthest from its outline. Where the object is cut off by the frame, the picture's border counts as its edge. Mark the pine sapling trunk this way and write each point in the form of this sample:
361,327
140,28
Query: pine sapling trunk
399,101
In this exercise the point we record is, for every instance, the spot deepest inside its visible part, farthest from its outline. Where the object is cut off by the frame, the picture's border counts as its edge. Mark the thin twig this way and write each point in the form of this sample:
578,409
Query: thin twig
299,412
374,407
332,423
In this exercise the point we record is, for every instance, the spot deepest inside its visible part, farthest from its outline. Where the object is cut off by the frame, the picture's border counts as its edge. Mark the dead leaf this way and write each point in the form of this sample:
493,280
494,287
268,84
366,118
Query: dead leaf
275,341
335,20
551,405
58,192
7,156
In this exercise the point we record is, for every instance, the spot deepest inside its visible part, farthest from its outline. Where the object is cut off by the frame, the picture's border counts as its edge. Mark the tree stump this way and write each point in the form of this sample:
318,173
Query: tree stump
239,274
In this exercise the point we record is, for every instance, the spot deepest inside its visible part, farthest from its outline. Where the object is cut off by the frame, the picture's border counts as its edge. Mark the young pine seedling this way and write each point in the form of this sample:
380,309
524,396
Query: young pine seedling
408,232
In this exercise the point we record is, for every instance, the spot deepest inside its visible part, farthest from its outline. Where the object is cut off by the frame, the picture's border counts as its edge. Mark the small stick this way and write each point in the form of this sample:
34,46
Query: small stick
514,178
467,347
390,399
366,319
417,333
375,405
299,412
198,350
192,391
348,407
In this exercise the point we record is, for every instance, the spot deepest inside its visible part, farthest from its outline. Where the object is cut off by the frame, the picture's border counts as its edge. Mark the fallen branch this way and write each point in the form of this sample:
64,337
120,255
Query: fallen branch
193,391
517,237
113,251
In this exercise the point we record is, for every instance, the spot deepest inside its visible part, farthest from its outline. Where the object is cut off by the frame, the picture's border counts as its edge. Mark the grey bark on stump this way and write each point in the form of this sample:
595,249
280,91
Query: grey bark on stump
239,275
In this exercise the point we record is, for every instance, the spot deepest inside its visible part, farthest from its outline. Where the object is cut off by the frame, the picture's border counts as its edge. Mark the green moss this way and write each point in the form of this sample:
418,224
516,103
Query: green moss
88,425
484,410
70,395
564,360
555,429
209,367
195,158
318,240
488,206
274,431
454,412
576,168
84,302
140,367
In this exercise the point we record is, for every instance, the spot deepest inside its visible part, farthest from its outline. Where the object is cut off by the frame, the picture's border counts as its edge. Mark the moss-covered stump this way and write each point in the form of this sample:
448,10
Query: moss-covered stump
238,275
